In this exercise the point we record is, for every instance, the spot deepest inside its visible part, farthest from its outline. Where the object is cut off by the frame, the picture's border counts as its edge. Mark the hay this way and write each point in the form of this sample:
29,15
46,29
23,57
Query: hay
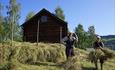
30,53
103,52
72,64
108,53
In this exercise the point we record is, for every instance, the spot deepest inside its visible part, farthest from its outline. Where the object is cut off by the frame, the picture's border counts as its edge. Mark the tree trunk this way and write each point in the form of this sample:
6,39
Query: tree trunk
12,33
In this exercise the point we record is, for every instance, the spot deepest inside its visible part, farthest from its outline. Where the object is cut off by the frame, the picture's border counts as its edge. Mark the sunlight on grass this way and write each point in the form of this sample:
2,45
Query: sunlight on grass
45,56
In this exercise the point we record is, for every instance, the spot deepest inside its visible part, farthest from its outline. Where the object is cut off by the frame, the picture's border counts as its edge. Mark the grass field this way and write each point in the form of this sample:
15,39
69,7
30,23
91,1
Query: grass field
45,56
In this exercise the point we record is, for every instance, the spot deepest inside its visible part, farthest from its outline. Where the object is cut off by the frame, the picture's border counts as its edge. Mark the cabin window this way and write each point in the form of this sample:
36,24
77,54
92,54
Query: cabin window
44,19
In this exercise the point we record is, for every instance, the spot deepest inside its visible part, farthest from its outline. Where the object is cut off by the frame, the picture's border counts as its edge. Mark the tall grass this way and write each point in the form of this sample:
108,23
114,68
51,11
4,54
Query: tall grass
29,56
30,53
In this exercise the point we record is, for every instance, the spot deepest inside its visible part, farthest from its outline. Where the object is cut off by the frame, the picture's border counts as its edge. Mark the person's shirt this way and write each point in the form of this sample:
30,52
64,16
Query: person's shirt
98,45
69,41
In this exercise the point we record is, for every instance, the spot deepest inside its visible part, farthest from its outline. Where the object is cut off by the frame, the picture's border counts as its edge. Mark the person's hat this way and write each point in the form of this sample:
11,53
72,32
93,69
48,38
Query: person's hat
98,37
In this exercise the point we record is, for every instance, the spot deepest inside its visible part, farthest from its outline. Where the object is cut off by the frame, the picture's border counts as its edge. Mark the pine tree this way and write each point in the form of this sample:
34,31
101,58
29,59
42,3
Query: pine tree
91,35
59,13
81,36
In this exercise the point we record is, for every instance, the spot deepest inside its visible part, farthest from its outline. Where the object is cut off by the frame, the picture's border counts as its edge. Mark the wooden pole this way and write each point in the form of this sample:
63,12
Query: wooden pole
38,32
60,34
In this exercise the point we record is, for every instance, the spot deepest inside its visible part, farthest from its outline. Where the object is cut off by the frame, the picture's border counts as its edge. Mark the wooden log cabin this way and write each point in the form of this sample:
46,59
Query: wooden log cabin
44,27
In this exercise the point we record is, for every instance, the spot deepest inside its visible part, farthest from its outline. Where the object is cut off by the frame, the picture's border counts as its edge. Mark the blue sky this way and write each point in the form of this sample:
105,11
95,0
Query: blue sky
100,13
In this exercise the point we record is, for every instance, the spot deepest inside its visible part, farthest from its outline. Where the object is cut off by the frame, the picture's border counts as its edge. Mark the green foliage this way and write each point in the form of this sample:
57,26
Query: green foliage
1,31
91,30
91,37
18,36
30,15
59,13
85,39
111,39
13,15
1,22
9,26
81,36
109,42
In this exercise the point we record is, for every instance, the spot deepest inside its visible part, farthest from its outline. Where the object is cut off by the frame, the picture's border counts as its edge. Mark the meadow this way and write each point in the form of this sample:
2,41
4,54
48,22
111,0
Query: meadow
45,56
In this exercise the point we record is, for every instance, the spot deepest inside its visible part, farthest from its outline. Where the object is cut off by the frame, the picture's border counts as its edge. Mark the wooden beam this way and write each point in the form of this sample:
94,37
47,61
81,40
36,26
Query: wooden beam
38,32
60,34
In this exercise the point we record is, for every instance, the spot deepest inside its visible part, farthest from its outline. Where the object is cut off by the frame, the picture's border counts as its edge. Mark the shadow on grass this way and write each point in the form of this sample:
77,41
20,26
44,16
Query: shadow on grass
89,68
45,63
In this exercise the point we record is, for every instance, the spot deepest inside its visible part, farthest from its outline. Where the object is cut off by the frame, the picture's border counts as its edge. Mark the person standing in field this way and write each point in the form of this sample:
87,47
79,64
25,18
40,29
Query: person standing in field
69,42
98,46
98,43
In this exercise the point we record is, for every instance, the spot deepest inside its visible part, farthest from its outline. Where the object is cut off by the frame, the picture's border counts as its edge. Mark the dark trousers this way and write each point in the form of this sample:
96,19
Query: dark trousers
69,52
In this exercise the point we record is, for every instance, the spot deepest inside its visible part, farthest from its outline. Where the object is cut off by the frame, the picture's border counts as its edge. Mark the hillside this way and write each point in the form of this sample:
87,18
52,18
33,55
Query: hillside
109,41
45,56
108,36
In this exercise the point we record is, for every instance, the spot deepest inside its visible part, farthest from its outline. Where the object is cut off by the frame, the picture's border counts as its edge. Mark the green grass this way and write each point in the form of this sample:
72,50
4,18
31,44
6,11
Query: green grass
109,65
45,56
111,39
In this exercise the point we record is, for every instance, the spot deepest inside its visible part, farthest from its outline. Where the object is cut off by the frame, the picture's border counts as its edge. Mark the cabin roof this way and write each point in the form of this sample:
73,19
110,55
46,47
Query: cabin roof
45,11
